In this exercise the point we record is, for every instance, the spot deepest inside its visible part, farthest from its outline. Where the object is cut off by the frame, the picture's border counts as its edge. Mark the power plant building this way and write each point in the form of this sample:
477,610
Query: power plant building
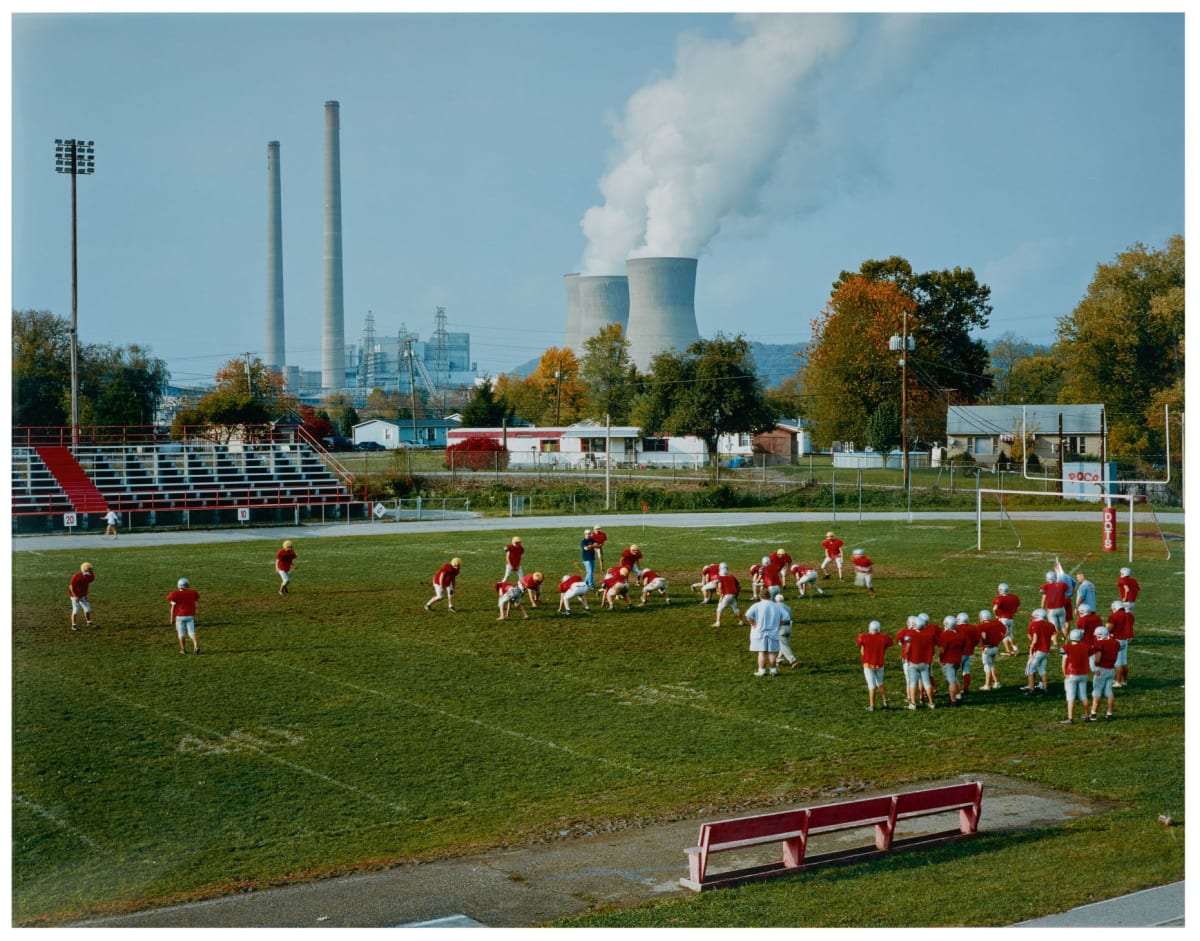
662,307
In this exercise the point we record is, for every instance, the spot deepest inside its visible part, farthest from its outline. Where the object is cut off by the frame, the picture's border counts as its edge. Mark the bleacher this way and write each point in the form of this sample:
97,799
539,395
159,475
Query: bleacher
198,475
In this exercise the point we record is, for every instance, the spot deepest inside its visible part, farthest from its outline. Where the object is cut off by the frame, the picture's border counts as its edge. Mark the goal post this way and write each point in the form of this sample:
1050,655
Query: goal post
1107,513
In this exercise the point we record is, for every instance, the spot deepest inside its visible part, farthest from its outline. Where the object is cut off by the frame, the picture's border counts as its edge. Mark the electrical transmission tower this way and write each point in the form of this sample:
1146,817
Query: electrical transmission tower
370,356
441,366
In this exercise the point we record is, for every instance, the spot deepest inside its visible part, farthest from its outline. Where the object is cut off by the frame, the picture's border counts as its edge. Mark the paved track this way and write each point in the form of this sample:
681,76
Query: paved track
624,521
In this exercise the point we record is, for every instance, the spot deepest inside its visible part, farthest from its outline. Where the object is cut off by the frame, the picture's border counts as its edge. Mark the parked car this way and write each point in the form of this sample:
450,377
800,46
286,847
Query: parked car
412,444
369,446
337,443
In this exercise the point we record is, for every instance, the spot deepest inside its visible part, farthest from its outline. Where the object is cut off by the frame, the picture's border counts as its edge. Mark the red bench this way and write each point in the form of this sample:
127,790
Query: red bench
792,828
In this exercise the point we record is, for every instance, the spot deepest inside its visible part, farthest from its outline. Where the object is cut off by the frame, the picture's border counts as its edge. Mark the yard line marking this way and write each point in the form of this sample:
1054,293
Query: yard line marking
57,821
390,697
249,746
633,694
1157,653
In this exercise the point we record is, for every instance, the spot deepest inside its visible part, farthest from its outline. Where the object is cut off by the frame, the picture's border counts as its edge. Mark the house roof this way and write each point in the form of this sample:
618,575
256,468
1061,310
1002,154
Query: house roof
408,422
1038,419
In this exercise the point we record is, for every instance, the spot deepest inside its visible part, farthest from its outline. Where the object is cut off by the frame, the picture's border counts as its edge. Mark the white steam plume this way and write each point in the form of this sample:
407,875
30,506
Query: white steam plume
697,148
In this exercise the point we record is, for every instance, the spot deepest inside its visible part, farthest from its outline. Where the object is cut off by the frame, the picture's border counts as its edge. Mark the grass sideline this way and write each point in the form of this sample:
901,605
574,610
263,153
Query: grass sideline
344,727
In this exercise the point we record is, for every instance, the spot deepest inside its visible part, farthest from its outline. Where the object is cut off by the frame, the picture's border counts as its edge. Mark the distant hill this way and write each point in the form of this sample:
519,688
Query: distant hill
775,362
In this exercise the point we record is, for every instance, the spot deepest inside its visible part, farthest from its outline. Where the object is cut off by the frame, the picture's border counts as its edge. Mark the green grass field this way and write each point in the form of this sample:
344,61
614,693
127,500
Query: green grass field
344,727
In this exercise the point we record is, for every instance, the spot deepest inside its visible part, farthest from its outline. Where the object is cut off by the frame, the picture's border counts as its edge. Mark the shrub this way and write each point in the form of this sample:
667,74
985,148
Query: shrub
477,452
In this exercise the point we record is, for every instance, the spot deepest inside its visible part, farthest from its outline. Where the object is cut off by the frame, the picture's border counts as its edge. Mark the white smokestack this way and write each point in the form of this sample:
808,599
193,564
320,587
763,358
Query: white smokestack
697,148
333,334
275,346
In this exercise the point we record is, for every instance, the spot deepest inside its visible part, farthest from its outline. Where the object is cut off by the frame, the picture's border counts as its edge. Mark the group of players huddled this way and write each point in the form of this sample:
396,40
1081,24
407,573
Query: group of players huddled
1091,648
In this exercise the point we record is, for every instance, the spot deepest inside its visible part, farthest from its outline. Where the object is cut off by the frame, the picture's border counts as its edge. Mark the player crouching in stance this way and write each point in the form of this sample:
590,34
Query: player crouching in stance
651,582
284,559
572,586
510,596
77,591
183,612
874,644
532,586
804,576
615,585
443,584
863,569
708,581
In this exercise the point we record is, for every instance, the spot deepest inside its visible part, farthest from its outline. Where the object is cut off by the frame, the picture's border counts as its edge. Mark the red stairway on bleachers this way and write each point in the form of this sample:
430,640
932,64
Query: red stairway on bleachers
84,494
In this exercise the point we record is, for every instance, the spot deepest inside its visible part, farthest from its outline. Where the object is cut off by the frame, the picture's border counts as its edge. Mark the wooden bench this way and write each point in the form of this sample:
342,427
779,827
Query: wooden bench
793,828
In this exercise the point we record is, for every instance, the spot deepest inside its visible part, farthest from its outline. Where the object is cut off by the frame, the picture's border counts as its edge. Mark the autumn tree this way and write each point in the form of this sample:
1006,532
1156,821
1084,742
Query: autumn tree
608,376
949,305
849,371
1123,345
247,392
709,390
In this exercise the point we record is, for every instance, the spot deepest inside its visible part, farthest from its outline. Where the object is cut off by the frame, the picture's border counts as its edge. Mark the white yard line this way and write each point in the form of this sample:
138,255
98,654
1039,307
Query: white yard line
58,822
245,743
458,717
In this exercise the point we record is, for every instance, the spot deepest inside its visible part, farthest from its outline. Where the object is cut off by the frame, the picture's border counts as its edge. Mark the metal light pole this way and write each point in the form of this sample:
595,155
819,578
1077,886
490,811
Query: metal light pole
74,157
903,345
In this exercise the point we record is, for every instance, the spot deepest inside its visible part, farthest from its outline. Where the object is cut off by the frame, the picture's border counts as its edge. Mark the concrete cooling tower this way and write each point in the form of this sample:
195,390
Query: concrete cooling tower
662,307
593,302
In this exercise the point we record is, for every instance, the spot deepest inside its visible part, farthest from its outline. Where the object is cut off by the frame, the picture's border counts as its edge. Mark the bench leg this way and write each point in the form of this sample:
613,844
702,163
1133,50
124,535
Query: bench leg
883,835
968,819
793,852
696,865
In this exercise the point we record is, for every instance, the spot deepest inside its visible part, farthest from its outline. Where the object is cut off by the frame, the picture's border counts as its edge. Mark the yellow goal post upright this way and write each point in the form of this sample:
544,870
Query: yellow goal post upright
1107,520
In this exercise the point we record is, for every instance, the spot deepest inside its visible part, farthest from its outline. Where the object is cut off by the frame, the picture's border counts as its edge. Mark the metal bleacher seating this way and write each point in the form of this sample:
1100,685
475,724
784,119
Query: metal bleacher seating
176,476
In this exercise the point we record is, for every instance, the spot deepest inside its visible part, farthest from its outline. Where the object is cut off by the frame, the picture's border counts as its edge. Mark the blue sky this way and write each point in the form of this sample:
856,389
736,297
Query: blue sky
1029,147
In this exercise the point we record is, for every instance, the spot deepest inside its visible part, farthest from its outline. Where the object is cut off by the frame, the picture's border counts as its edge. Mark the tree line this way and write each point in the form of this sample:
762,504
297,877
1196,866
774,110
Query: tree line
1121,346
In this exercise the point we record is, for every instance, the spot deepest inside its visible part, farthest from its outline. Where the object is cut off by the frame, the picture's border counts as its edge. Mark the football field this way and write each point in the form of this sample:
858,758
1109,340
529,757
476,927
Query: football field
343,727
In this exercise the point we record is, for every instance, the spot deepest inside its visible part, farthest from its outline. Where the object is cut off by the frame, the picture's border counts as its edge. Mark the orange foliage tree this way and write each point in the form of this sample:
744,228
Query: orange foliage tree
848,369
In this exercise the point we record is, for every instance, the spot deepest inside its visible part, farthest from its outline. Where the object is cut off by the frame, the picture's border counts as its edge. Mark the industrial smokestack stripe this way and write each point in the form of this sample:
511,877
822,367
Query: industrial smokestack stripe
572,338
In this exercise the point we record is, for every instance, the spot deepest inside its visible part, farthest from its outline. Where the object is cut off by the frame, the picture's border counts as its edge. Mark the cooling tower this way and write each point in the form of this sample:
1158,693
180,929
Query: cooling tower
599,300
333,341
662,307
275,349
571,337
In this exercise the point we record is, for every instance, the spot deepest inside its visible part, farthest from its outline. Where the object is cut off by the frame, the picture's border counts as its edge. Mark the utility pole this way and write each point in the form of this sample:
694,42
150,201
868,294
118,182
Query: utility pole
412,390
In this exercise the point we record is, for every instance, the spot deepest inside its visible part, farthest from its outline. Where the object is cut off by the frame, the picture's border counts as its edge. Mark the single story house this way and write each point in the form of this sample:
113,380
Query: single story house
587,444
403,432
783,444
986,431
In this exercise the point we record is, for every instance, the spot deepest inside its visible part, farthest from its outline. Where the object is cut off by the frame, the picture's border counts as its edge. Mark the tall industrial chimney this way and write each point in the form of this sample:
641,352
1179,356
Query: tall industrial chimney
662,307
275,347
333,336
598,301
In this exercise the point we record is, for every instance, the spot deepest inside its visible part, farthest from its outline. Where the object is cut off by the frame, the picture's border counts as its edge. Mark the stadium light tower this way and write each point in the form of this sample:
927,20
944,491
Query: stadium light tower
903,344
76,157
